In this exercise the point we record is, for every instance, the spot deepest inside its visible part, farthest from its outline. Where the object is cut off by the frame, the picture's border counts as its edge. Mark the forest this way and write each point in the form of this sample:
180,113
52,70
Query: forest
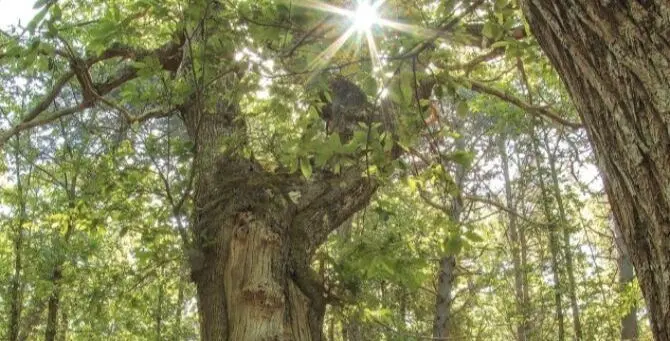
345,170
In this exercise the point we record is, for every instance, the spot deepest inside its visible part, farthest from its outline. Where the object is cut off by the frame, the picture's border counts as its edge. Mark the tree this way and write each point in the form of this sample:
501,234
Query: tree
613,59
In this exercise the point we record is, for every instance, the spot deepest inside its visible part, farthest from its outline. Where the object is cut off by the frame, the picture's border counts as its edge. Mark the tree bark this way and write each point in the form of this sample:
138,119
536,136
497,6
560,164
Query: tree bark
53,305
15,290
444,299
614,56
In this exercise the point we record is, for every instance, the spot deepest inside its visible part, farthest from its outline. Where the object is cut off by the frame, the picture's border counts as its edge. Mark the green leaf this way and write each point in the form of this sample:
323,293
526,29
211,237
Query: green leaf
490,30
462,109
306,168
500,5
453,245
462,157
473,236
37,19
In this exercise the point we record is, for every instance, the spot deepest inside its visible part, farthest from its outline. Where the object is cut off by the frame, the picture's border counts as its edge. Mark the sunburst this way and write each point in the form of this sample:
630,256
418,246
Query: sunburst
364,19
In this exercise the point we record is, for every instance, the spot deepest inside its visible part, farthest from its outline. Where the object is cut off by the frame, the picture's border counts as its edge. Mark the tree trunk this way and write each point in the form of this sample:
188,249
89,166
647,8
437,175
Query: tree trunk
518,246
613,56
253,244
446,276
626,277
554,243
16,287
444,300
53,304
567,249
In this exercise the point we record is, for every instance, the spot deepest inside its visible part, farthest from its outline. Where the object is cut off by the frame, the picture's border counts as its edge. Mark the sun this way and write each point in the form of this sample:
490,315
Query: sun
365,17
362,20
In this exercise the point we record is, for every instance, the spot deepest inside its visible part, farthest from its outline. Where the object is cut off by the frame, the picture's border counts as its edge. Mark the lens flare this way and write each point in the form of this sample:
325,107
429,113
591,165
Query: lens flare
365,17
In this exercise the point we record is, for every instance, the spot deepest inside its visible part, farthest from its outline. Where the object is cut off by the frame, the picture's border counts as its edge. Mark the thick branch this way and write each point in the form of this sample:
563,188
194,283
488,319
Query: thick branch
338,201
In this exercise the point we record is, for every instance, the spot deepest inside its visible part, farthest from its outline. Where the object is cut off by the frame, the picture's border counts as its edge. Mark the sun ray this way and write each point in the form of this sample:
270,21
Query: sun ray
366,21
325,56
407,28
322,6
374,53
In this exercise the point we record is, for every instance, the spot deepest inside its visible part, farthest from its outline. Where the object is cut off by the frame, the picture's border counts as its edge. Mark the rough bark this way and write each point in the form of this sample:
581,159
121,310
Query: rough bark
518,246
53,305
614,56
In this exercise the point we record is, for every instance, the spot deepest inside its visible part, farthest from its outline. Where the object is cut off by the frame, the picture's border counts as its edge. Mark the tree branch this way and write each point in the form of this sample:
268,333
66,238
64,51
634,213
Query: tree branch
543,112
169,55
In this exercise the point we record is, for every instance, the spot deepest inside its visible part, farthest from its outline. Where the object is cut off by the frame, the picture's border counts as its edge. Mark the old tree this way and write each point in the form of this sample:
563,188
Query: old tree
280,120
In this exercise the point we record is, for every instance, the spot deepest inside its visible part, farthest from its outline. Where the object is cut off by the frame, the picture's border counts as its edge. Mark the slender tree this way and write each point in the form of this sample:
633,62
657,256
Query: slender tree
518,245
566,232
16,286
629,329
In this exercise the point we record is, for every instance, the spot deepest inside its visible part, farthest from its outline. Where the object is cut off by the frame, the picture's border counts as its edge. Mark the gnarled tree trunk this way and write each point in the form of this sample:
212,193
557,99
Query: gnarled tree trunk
253,243
614,57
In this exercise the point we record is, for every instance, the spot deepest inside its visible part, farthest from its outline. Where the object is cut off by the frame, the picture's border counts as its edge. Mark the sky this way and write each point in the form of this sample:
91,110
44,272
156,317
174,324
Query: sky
15,10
